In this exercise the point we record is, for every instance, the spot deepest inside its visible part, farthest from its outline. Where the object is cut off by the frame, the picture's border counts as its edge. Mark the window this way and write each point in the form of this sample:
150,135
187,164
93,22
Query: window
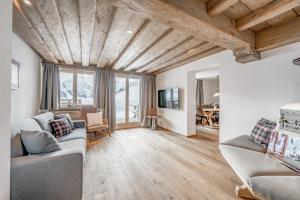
127,99
76,88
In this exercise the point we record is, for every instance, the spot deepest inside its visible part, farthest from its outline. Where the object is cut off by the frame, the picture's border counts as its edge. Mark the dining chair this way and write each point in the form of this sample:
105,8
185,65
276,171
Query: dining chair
201,116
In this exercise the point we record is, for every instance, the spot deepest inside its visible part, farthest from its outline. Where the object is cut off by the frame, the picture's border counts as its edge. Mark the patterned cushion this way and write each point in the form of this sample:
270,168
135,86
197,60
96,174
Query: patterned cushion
68,117
277,143
60,127
261,132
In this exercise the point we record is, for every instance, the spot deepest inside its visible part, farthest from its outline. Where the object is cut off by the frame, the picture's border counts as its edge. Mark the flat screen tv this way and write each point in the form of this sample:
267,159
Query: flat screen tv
168,98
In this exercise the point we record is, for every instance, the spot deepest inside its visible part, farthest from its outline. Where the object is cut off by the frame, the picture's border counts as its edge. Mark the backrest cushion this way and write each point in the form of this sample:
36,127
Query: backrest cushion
17,148
37,142
262,131
60,127
44,121
94,119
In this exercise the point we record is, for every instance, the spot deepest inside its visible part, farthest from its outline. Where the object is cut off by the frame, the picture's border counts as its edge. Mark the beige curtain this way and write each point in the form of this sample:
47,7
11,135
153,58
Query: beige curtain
199,93
104,95
148,98
50,87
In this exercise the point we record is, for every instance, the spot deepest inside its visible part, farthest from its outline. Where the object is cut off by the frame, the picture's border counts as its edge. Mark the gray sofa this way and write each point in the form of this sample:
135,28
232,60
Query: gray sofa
56,175
265,177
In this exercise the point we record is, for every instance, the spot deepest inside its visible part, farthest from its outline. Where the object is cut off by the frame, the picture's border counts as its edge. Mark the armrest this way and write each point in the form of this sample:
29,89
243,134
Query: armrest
79,123
58,175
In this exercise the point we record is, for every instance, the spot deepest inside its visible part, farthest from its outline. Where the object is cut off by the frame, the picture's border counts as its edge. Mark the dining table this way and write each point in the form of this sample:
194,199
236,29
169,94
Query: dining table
209,112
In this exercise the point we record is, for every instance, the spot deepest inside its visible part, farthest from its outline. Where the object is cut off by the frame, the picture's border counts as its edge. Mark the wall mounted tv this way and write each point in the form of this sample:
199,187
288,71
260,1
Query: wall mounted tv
168,98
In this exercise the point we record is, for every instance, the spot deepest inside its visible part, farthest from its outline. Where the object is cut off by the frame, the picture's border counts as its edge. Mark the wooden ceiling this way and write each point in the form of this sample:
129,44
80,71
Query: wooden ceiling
153,36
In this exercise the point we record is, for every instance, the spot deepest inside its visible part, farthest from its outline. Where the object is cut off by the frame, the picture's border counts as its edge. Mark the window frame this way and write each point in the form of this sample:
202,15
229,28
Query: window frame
127,123
75,89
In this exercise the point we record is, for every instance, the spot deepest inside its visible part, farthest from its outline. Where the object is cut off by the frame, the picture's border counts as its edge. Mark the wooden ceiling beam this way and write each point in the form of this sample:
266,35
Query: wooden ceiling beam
279,35
170,54
132,41
51,17
218,7
267,12
103,20
69,12
193,58
191,16
194,50
163,44
23,27
87,12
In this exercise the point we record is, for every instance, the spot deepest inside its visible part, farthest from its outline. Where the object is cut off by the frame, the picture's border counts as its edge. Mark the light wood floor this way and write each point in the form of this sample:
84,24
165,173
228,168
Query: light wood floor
141,164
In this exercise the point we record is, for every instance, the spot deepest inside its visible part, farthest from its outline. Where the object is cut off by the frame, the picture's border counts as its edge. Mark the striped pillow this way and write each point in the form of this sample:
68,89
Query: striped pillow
60,127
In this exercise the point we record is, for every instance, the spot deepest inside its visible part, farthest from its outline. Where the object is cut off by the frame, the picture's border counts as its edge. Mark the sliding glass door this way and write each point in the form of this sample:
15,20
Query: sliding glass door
127,97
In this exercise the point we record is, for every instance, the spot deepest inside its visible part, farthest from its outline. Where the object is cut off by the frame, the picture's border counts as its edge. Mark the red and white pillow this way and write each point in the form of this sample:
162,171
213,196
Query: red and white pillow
262,131
60,127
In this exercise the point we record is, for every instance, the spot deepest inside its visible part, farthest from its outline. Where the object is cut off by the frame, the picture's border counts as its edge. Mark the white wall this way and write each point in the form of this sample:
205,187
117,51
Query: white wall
5,67
26,100
248,91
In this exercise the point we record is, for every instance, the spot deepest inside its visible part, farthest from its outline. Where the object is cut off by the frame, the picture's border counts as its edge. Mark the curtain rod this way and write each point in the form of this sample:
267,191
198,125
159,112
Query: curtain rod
94,68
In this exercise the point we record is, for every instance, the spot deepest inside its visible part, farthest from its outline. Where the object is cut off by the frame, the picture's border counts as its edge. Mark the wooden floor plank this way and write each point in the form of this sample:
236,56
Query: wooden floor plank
142,164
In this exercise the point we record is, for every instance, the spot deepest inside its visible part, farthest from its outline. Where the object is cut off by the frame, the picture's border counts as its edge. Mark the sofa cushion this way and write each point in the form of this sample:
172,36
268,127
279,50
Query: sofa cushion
60,127
276,187
68,117
247,163
37,142
243,141
261,132
74,145
78,133
17,148
44,121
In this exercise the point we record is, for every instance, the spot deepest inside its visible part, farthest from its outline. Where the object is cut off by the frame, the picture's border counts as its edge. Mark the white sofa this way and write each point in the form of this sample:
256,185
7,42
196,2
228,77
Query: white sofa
265,177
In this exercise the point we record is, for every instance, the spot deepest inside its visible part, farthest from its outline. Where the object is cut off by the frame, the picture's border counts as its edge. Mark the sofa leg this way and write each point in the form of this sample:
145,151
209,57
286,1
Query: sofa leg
242,191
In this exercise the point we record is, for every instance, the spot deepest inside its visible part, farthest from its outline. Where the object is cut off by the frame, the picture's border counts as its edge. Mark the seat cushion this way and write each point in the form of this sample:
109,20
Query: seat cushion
244,142
43,120
74,145
17,148
276,187
78,133
247,163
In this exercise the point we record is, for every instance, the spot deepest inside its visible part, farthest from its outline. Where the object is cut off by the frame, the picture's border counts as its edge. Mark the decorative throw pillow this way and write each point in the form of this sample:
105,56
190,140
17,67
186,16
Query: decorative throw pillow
261,132
94,119
277,143
292,149
60,127
36,142
68,117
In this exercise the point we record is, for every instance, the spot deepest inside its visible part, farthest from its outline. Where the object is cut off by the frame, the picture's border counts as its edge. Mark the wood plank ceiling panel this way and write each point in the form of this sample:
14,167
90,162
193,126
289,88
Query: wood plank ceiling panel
70,17
297,10
256,4
182,56
124,26
49,12
216,8
147,37
24,29
103,19
38,24
87,11
237,11
193,58
170,40
185,46
283,18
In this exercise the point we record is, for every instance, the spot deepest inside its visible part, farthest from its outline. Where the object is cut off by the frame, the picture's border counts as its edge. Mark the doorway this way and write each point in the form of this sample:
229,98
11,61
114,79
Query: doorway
127,101
207,103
